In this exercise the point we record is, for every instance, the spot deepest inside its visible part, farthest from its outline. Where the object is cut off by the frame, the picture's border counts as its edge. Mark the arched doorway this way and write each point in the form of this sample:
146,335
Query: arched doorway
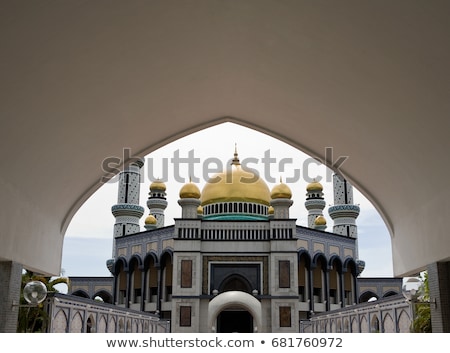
235,320
235,282
235,311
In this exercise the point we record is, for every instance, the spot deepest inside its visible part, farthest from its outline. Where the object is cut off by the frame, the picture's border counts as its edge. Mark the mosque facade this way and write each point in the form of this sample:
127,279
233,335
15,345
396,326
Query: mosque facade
235,261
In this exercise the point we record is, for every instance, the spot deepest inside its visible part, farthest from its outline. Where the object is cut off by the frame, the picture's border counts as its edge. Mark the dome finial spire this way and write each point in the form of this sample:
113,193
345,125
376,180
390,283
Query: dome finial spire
235,160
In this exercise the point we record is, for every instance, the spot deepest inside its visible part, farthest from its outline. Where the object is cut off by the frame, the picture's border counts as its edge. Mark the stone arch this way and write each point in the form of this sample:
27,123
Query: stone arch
319,269
346,326
235,282
101,326
364,324
166,273
112,325
366,295
151,281
304,277
375,324
335,280
105,295
121,325
135,281
388,324
333,325
121,281
404,322
76,324
59,322
230,299
81,293
91,326
390,293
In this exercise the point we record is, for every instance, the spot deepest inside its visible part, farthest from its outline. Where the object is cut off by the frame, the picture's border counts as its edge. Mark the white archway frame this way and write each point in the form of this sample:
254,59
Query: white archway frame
230,299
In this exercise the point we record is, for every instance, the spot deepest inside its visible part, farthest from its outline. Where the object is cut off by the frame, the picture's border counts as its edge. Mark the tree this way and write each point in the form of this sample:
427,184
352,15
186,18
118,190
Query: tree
35,318
422,317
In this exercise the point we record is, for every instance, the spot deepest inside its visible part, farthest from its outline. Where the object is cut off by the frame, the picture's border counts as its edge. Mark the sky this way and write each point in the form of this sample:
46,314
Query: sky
88,240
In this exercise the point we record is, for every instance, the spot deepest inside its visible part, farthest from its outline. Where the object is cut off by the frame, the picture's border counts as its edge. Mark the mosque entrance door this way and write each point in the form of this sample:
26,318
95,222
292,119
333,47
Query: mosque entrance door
235,321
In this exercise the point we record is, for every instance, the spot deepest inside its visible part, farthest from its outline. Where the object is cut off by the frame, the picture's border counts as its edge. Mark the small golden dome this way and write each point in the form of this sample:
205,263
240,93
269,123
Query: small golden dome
150,219
199,209
190,191
320,221
281,191
271,210
314,186
158,185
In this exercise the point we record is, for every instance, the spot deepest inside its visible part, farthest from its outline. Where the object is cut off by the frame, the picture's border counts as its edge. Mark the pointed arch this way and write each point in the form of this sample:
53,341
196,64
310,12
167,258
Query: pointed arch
106,296
121,281
404,321
364,324
76,324
166,252
390,293
81,293
112,325
91,326
101,326
335,282
135,258
151,270
150,258
350,265
59,322
235,282
304,275
388,324
349,270
375,323
367,295
135,282
166,274
319,259
319,282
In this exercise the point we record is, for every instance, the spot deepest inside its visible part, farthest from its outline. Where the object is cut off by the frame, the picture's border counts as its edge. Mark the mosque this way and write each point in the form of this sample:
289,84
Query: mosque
235,261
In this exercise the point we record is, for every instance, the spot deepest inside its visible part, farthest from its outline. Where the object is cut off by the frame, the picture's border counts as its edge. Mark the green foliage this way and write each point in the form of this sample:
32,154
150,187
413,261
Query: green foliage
34,319
422,316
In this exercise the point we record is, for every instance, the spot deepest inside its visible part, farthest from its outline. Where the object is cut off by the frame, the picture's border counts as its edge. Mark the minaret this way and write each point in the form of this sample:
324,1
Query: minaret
344,212
157,202
281,200
127,211
315,202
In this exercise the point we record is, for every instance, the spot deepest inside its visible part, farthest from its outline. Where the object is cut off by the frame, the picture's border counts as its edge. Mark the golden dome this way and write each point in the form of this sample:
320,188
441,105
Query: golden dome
199,209
190,191
281,191
320,221
157,185
271,210
150,219
235,184
314,186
